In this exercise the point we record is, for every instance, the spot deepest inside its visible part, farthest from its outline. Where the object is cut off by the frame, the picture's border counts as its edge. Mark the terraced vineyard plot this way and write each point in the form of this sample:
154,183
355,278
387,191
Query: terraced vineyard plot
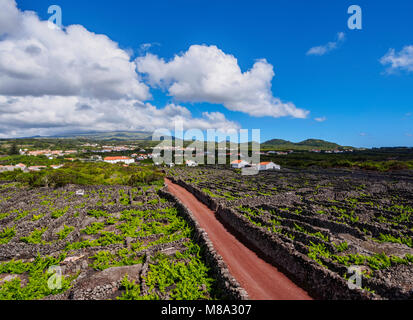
111,242
330,219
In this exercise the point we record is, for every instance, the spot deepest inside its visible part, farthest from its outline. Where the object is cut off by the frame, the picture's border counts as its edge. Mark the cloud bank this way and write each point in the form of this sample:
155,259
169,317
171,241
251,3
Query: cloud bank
27,116
59,80
54,81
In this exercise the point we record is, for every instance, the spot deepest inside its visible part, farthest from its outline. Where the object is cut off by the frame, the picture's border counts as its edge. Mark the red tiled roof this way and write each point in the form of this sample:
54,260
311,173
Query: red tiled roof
117,158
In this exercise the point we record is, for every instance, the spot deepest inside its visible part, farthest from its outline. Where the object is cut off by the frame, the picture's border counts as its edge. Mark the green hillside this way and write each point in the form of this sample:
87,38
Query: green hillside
115,135
318,144
279,144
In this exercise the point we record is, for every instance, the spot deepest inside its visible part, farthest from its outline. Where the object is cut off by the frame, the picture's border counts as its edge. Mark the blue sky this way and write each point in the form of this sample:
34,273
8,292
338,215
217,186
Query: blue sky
361,104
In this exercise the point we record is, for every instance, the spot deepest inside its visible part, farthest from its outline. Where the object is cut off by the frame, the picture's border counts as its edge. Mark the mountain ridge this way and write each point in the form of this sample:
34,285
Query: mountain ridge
147,136
305,144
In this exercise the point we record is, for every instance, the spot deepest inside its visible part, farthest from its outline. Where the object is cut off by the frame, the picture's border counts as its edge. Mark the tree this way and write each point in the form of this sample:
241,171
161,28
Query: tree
13,149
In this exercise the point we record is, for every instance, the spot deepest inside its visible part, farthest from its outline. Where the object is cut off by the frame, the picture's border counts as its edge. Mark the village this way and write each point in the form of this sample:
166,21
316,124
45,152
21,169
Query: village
85,155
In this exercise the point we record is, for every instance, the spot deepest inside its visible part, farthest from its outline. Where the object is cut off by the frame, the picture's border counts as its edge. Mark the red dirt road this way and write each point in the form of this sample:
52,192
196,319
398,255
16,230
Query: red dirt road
261,280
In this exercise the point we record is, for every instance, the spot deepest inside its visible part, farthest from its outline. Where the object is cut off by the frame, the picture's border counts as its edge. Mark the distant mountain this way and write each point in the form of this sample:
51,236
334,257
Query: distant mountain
277,142
303,145
111,135
318,144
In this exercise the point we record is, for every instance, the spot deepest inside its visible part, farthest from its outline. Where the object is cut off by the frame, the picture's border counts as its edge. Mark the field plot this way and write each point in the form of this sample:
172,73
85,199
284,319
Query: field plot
328,220
107,242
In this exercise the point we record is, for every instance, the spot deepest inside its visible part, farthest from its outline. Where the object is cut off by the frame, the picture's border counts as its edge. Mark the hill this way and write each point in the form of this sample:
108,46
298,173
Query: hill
277,142
111,135
308,144
146,137
318,144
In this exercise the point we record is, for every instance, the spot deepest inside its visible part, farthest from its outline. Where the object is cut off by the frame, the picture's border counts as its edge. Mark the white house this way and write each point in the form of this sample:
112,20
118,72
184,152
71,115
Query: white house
56,166
21,166
190,163
36,168
238,164
268,166
7,168
113,160
96,157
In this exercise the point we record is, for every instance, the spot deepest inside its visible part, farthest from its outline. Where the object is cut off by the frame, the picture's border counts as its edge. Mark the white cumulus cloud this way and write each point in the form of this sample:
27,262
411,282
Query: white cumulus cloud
37,60
207,74
402,60
60,80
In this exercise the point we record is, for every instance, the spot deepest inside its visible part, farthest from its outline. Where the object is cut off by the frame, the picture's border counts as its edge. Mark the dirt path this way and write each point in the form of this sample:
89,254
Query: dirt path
261,280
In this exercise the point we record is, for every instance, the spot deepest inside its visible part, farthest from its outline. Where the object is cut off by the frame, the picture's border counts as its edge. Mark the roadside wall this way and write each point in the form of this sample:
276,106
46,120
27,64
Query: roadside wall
318,281
230,287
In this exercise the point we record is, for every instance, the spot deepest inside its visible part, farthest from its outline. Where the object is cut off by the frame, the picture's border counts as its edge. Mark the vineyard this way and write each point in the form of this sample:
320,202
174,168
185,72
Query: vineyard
329,220
109,242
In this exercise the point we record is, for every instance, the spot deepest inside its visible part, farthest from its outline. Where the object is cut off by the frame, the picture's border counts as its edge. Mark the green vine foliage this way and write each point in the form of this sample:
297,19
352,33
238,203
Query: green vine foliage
37,283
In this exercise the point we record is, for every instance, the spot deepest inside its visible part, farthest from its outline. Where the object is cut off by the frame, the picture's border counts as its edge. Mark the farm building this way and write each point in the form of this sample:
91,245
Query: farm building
238,164
113,160
268,166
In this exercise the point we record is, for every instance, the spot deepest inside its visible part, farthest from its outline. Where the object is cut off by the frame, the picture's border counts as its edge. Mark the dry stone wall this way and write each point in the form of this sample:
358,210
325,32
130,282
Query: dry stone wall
321,283
230,287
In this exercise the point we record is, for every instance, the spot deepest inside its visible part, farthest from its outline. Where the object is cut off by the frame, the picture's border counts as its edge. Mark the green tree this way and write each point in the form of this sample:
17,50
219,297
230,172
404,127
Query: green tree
14,149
